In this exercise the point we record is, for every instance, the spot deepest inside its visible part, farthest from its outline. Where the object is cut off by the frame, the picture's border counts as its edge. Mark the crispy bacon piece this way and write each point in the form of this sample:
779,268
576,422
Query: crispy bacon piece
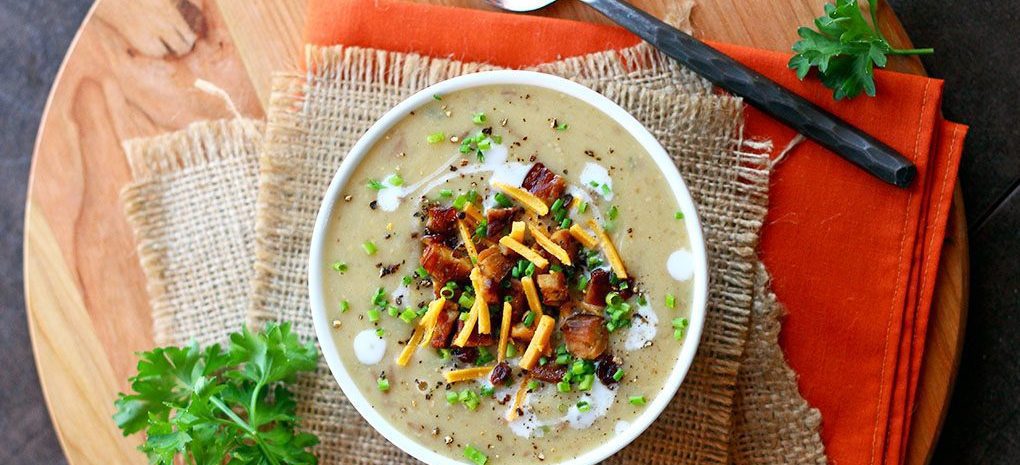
585,335
499,219
545,184
441,220
440,261
518,301
447,319
550,372
554,288
598,288
476,339
571,307
493,266
563,239
521,332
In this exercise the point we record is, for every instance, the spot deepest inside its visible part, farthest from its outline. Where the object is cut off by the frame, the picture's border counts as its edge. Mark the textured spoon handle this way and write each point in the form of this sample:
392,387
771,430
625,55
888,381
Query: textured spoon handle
807,118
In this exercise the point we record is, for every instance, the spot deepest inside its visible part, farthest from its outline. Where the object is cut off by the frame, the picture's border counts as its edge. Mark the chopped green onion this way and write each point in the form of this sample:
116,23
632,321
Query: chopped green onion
618,375
562,127
583,406
479,118
475,456
408,315
670,301
437,96
445,354
373,315
446,193
678,215
613,212
586,382
487,391
451,397
605,189
563,386
392,311
497,138
369,247
340,267
395,180
469,399
637,400
375,185
460,202
466,300
344,306
543,360
679,328
577,368
484,144
563,359
407,280
383,383
530,270
558,204
421,272
463,316
594,184
472,195
565,223
380,332
511,351
483,356
582,283
502,200
532,385
641,300
435,137
529,319
582,207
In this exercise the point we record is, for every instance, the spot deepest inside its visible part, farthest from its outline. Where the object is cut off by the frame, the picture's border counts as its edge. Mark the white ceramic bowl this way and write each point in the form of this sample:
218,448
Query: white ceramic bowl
323,328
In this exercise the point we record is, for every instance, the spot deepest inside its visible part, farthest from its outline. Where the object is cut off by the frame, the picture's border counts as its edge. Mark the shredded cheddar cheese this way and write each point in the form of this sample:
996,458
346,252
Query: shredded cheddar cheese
528,199
429,319
517,231
549,246
469,325
466,374
531,293
522,391
468,244
538,343
484,321
523,250
583,237
574,203
504,332
412,345
472,211
611,254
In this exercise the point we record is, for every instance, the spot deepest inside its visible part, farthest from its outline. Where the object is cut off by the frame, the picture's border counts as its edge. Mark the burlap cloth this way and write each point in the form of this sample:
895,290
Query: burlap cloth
739,402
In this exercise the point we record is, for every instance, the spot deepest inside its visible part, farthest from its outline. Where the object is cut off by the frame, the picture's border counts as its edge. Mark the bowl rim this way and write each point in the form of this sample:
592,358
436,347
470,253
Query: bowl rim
322,323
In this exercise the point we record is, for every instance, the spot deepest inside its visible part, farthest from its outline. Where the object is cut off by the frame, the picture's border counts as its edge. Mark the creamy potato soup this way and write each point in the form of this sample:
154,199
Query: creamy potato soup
508,276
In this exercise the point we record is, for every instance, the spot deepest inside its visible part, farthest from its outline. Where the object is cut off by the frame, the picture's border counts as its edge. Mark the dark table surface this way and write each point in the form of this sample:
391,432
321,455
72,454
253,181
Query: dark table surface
977,53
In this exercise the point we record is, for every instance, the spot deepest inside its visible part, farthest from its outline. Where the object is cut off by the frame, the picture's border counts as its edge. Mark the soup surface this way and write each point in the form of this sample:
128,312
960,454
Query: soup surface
425,245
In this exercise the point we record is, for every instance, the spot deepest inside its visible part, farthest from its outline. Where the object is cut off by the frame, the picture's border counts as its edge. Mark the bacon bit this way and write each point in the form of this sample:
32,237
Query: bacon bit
517,231
429,319
515,408
468,326
522,250
550,372
440,220
444,326
518,301
529,200
504,331
583,237
466,237
566,242
554,288
466,374
492,267
598,288
610,250
549,246
472,211
532,294
538,343
586,335
498,219
521,332
475,339
545,184
412,345
441,263
484,320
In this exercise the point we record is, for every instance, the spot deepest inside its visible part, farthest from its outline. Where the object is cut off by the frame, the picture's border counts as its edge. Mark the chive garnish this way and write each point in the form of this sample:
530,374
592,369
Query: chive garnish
446,193
344,306
479,118
340,267
383,383
373,315
637,400
369,247
375,185
670,301
678,215
475,456
435,137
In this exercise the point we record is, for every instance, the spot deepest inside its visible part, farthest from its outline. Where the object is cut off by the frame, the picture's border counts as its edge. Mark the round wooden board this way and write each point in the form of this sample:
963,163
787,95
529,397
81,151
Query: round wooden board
130,73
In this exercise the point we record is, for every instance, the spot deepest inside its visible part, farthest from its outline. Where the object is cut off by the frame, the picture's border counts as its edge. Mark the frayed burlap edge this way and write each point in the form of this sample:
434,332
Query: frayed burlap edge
191,206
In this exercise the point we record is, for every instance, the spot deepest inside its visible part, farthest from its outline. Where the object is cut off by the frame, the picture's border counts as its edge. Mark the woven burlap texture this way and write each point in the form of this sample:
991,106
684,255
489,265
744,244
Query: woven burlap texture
315,118
191,205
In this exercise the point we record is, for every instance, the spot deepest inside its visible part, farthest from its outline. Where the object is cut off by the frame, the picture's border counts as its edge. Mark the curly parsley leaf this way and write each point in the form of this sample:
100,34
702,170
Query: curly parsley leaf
210,407
845,49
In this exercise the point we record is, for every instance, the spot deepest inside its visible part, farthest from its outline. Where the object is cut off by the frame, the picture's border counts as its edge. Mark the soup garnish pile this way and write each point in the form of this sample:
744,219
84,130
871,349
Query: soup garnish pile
512,279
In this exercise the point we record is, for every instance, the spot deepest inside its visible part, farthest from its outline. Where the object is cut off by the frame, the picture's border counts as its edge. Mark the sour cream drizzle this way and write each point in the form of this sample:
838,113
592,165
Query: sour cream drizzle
369,347
599,399
642,328
680,265
594,173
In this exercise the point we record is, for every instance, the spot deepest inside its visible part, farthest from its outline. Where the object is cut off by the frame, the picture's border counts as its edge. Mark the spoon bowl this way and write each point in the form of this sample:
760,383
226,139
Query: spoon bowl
520,6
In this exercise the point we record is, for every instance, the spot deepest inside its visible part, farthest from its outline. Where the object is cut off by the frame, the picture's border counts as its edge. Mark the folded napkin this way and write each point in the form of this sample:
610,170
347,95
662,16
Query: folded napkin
853,259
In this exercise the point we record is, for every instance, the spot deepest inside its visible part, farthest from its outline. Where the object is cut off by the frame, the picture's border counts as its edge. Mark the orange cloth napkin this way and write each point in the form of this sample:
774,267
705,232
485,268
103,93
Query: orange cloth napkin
853,259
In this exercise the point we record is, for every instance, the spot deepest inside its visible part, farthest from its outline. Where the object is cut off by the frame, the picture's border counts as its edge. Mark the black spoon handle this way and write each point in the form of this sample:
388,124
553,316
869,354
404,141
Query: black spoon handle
807,118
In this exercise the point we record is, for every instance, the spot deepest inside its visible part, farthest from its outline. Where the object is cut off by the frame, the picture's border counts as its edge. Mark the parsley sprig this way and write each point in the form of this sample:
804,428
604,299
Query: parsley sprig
845,49
213,407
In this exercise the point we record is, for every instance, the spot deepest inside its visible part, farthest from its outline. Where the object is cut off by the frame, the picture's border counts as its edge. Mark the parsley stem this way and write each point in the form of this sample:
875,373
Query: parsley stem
246,427
911,51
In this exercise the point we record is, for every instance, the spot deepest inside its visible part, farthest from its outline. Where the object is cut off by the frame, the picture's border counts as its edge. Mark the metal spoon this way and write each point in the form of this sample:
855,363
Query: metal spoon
807,118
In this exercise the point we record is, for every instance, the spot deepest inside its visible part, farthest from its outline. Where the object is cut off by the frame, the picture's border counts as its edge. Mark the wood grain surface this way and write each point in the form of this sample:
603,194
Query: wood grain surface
130,73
